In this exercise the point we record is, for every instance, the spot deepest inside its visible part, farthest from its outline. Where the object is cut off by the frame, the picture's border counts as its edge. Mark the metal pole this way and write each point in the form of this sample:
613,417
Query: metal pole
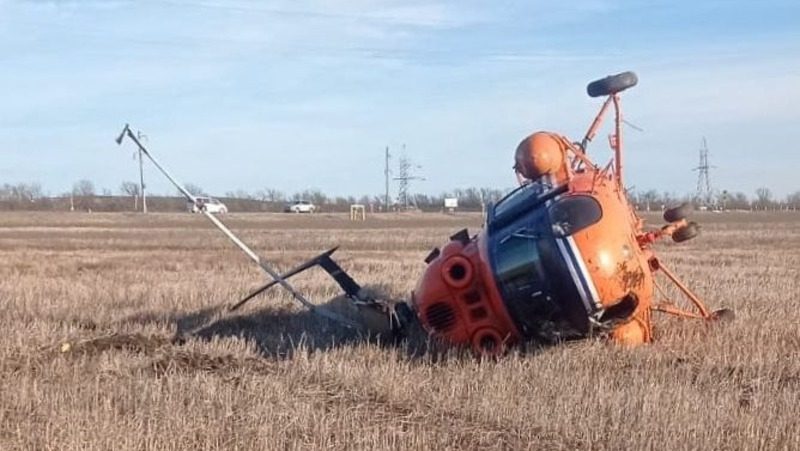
598,120
405,182
686,291
249,252
618,144
141,182
386,174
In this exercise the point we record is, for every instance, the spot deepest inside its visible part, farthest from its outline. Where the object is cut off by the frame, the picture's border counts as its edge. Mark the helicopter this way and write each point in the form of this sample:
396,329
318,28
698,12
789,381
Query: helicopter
564,256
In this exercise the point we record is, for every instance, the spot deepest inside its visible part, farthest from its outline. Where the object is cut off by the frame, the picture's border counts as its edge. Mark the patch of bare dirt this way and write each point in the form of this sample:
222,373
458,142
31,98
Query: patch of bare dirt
138,343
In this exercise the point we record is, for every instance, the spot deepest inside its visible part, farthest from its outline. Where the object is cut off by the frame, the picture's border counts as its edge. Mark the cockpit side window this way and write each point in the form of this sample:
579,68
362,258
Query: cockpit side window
521,201
572,214
516,198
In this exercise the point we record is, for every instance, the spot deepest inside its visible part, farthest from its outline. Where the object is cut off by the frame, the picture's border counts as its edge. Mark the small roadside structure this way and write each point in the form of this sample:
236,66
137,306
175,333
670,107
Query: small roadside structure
358,212
450,204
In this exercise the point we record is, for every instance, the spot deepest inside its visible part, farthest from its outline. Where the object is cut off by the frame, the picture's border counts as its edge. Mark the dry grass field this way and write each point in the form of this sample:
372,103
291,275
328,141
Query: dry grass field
90,303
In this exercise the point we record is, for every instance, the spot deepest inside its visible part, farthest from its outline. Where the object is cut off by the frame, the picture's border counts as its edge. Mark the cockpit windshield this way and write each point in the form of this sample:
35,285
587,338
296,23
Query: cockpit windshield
531,261
534,280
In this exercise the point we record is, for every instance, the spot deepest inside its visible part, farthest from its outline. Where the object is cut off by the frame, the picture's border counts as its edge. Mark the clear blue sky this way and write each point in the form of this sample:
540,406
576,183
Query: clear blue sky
295,95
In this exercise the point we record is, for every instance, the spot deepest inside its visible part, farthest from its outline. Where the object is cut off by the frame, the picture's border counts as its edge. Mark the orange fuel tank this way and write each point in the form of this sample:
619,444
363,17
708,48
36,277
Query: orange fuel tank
541,154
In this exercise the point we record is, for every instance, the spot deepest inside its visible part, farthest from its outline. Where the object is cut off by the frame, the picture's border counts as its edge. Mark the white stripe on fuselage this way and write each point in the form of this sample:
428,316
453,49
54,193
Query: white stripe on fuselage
577,269
585,273
576,277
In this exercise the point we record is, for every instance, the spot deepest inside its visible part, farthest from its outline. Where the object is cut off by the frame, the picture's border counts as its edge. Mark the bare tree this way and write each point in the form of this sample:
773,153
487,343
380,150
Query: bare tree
84,191
315,196
272,195
21,192
650,200
763,197
793,201
239,194
738,201
131,189
195,190
83,188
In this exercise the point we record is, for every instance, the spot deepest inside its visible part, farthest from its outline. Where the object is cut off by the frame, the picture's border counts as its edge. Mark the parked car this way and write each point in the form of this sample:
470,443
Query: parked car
300,206
208,204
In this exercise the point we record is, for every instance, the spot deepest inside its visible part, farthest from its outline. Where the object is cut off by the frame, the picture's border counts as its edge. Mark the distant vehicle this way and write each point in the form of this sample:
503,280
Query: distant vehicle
208,204
300,206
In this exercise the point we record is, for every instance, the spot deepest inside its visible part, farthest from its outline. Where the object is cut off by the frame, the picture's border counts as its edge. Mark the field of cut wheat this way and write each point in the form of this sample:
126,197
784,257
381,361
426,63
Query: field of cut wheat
91,304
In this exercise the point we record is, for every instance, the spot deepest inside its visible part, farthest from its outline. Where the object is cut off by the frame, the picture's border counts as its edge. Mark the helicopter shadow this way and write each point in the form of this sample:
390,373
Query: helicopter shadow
281,332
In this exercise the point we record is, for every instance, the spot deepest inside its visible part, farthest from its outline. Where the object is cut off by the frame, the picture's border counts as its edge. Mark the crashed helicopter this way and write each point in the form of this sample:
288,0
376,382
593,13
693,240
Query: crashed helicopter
563,256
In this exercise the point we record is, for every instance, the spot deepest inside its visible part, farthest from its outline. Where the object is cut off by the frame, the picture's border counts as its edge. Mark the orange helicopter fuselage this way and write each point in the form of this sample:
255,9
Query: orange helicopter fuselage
558,258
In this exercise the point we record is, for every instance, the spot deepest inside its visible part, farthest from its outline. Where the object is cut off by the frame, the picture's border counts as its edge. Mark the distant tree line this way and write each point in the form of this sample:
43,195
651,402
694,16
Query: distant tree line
84,196
468,198
762,199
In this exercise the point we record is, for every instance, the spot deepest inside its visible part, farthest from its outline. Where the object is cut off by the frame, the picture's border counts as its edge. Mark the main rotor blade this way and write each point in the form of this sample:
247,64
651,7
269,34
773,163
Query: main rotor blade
294,271
241,245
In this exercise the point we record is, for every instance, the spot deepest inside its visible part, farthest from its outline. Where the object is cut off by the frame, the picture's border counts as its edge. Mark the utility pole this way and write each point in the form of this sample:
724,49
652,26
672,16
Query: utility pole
386,173
141,176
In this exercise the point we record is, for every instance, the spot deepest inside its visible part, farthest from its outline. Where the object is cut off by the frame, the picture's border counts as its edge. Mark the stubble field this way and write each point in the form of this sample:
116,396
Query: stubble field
91,302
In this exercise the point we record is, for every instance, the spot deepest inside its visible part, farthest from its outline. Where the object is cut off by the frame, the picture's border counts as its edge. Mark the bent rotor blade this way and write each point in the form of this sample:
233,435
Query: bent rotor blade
244,248
294,271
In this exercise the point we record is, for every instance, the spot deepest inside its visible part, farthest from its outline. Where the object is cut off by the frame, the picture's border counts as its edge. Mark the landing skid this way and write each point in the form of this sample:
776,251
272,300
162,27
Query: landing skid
700,309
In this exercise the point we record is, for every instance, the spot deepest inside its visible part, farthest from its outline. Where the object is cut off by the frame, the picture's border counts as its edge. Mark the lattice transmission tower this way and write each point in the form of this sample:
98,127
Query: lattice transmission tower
405,174
704,195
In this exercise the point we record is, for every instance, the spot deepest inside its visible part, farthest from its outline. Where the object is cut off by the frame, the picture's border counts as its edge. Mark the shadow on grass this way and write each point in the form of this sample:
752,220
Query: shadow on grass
280,333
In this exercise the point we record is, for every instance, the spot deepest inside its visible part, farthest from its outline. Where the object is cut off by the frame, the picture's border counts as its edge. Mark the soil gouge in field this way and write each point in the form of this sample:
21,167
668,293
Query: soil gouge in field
564,256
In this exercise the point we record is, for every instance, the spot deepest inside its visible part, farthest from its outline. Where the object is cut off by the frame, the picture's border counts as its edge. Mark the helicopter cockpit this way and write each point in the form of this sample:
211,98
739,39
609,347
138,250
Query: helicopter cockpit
535,271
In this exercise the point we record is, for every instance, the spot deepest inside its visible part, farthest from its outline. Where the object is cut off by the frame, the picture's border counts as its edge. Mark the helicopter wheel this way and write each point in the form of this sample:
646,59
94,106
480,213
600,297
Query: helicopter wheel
611,84
686,232
677,213
723,315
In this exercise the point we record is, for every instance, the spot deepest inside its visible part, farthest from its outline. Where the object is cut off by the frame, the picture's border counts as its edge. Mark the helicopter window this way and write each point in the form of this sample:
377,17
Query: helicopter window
521,200
572,214
517,197
519,268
